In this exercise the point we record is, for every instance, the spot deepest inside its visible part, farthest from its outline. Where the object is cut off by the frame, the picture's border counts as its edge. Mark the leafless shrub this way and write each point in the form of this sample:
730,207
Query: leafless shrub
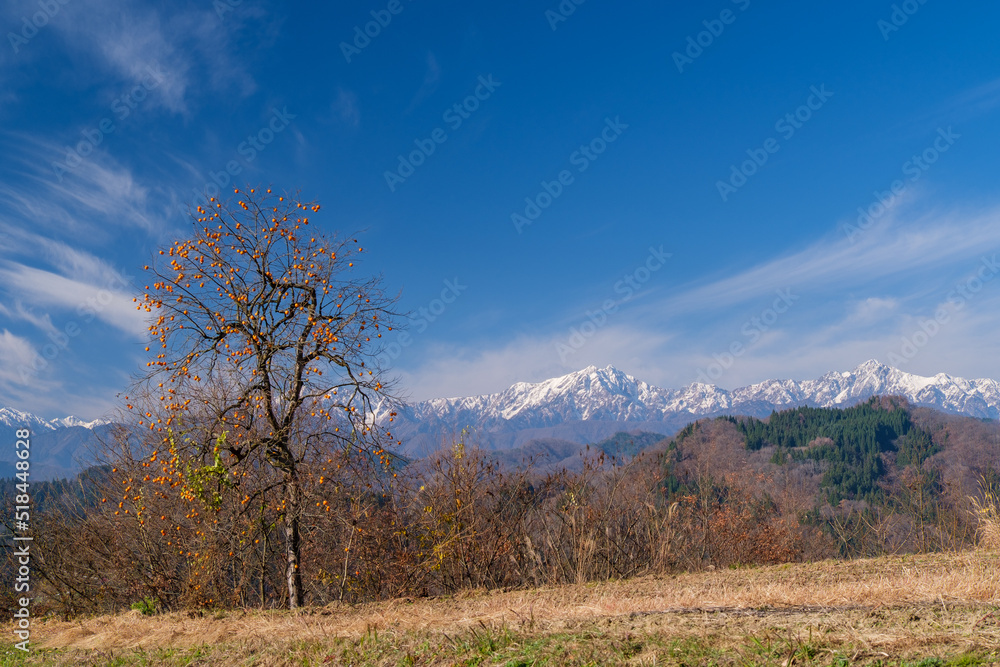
987,511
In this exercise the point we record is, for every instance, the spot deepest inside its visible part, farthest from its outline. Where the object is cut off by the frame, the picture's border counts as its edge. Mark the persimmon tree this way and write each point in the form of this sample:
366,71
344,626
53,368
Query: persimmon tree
264,342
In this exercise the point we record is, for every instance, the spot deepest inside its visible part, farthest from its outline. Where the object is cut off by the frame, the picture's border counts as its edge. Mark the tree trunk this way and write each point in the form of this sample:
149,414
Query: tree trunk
293,545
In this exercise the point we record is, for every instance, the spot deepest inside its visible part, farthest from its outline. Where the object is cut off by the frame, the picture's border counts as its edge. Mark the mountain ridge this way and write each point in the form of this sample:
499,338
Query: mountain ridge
16,419
595,395
582,407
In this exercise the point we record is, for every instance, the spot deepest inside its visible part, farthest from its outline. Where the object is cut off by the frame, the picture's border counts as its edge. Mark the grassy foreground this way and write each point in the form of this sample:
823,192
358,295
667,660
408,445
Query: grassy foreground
941,609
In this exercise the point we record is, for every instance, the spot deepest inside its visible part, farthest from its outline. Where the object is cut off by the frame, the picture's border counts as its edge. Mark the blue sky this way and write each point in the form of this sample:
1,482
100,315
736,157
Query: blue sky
671,190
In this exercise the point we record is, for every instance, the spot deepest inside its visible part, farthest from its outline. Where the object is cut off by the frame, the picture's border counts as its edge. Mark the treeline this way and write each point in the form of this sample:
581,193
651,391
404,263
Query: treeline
803,484
83,489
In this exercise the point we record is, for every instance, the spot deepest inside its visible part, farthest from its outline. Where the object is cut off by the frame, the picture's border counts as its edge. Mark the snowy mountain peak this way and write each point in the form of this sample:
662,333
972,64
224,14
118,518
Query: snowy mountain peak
66,422
16,419
872,365
608,373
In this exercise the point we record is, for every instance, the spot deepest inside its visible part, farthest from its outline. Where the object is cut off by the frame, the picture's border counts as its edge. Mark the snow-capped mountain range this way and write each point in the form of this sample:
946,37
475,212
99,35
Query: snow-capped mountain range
596,402
59,447
582,407
16,419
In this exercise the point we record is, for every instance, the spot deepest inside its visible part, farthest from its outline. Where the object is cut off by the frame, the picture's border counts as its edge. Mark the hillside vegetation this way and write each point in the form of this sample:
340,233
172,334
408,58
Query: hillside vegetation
803,485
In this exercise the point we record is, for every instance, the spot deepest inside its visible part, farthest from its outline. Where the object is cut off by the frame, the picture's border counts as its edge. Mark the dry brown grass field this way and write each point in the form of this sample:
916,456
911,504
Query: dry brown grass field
939,609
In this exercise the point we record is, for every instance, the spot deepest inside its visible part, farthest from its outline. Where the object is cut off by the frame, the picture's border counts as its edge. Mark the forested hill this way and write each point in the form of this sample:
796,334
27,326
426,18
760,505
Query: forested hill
881,453
852,443
882,475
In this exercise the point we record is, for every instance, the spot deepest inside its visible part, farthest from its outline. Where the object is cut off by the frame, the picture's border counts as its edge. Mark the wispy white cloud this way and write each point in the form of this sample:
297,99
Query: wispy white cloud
19,386
854,302
27,383
209,40
432,78
346,107
902,249
111,301
968,104
192,47
22,312
15,352
460,370
80,202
